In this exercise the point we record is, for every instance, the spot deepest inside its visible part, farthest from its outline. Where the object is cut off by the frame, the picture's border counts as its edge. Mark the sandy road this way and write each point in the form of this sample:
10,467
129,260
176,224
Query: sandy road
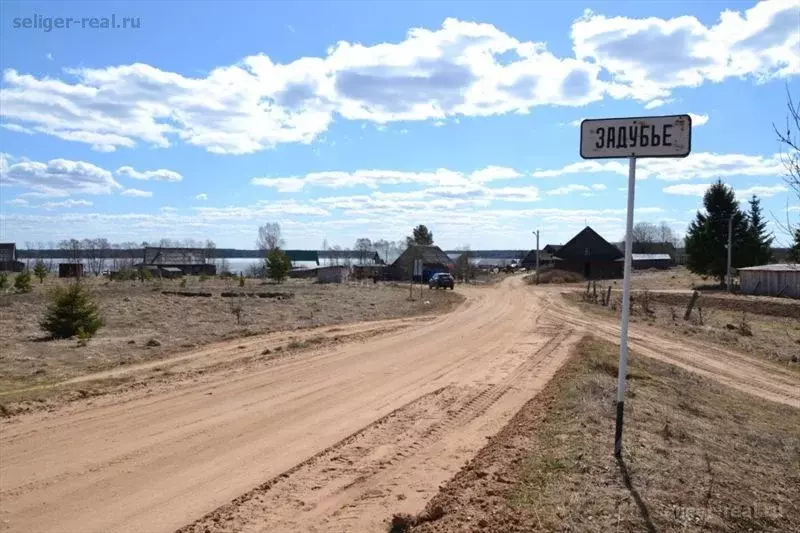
158,462
332,440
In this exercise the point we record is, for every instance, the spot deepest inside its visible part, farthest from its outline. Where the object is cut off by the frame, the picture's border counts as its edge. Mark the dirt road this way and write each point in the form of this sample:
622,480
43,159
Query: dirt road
335,439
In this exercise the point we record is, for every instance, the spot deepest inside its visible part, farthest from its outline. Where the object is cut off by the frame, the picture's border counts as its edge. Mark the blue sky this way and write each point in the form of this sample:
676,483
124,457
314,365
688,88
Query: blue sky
363,119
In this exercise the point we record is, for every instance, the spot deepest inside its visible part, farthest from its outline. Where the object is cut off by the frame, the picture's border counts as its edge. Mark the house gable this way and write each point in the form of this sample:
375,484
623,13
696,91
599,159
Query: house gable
588,245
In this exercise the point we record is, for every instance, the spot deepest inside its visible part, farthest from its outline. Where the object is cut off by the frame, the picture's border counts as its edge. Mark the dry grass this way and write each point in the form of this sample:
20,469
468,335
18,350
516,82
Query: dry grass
673,278
554,276
143,324
697,457
734,322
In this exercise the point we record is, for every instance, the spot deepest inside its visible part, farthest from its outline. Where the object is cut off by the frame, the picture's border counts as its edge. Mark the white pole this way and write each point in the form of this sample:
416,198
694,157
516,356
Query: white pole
730,250
626,303
537,256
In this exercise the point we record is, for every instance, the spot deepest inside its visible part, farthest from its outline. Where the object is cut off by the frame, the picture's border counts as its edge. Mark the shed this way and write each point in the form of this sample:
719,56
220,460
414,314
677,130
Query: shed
70,270
547,257
8,258
771,280
170,272
333,274
590,255
192,261
645,261
433,260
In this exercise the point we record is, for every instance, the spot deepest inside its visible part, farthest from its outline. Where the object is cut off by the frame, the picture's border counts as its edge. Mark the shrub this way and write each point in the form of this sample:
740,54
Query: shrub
22,283
203,276
278,265
3,281
40,271
71,312
241,280
145,275
183,282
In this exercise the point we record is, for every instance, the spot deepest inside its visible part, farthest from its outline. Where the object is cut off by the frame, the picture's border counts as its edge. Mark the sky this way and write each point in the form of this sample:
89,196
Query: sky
342,120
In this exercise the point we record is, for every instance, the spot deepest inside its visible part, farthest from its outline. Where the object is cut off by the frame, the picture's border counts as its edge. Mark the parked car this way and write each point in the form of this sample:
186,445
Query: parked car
442,280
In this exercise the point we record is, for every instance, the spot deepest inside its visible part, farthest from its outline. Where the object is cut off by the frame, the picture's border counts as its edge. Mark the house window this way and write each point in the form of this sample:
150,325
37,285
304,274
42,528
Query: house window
586,252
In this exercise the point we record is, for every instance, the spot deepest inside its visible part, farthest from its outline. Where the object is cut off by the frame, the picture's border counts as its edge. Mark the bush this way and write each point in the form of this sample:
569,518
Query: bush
22,283
3,281
71,312
203,276
40,271
183,282
241,280
278,265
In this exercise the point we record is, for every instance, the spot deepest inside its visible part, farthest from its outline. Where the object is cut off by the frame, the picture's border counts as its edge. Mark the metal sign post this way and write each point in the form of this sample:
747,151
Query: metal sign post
665,136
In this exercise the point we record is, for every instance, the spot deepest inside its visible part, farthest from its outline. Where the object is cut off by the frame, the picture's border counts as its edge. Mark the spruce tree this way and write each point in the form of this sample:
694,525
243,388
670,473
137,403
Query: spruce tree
759,240
794,251
707,236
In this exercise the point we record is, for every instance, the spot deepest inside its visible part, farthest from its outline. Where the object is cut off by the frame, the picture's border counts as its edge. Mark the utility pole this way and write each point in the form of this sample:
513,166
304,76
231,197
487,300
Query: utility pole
730,250
537,255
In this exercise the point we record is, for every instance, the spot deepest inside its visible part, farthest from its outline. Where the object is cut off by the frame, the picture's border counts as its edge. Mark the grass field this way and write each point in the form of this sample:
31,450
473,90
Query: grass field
697,457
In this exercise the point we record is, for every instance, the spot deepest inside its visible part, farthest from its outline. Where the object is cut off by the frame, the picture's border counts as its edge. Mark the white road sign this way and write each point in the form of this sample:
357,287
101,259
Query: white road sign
417,267
666,136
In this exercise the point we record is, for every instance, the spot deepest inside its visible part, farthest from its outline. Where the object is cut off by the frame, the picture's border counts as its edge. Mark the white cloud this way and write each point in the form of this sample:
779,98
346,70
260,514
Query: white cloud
698,120
493,173
459,69
49,56
658,102
569,189
168,209
20,202
202,196
18,129
68,204
161,174
700,165
261,209
687,189
763,191
599,186
57,177
137,193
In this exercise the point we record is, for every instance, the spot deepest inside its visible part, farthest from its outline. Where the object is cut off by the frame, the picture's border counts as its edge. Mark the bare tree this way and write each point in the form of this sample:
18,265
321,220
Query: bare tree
72,250
790,139
363,246
269,237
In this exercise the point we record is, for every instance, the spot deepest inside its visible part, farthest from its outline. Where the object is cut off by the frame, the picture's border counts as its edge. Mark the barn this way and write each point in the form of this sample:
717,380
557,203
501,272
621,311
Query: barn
771,280
191,261
591,256
433,260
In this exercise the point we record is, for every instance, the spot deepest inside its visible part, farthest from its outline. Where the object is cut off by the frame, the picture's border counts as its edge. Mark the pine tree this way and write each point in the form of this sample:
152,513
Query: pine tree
40,270
71,312
794,251
759,240
707,236
278,265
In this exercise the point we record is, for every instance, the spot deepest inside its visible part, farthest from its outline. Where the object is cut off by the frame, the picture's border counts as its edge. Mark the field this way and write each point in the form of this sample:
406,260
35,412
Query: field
767,327
143,324
697,456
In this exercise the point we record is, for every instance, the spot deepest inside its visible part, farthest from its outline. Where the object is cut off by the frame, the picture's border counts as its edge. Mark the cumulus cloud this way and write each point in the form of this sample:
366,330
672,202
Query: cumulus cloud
458,69
57,177
699,189
19,202
569,189
161,174
658,102
699,165
137,193
201,196
698,120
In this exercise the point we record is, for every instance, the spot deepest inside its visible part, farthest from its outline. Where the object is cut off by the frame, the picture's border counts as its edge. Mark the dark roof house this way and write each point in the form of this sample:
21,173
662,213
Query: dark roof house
433,260
546,257
590,255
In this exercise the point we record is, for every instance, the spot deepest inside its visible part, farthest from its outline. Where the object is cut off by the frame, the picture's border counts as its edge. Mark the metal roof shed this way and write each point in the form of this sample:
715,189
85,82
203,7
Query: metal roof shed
771,280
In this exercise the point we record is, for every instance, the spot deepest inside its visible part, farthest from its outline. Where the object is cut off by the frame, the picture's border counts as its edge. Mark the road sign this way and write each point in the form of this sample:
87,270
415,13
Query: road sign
417,268
633,137
665,136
